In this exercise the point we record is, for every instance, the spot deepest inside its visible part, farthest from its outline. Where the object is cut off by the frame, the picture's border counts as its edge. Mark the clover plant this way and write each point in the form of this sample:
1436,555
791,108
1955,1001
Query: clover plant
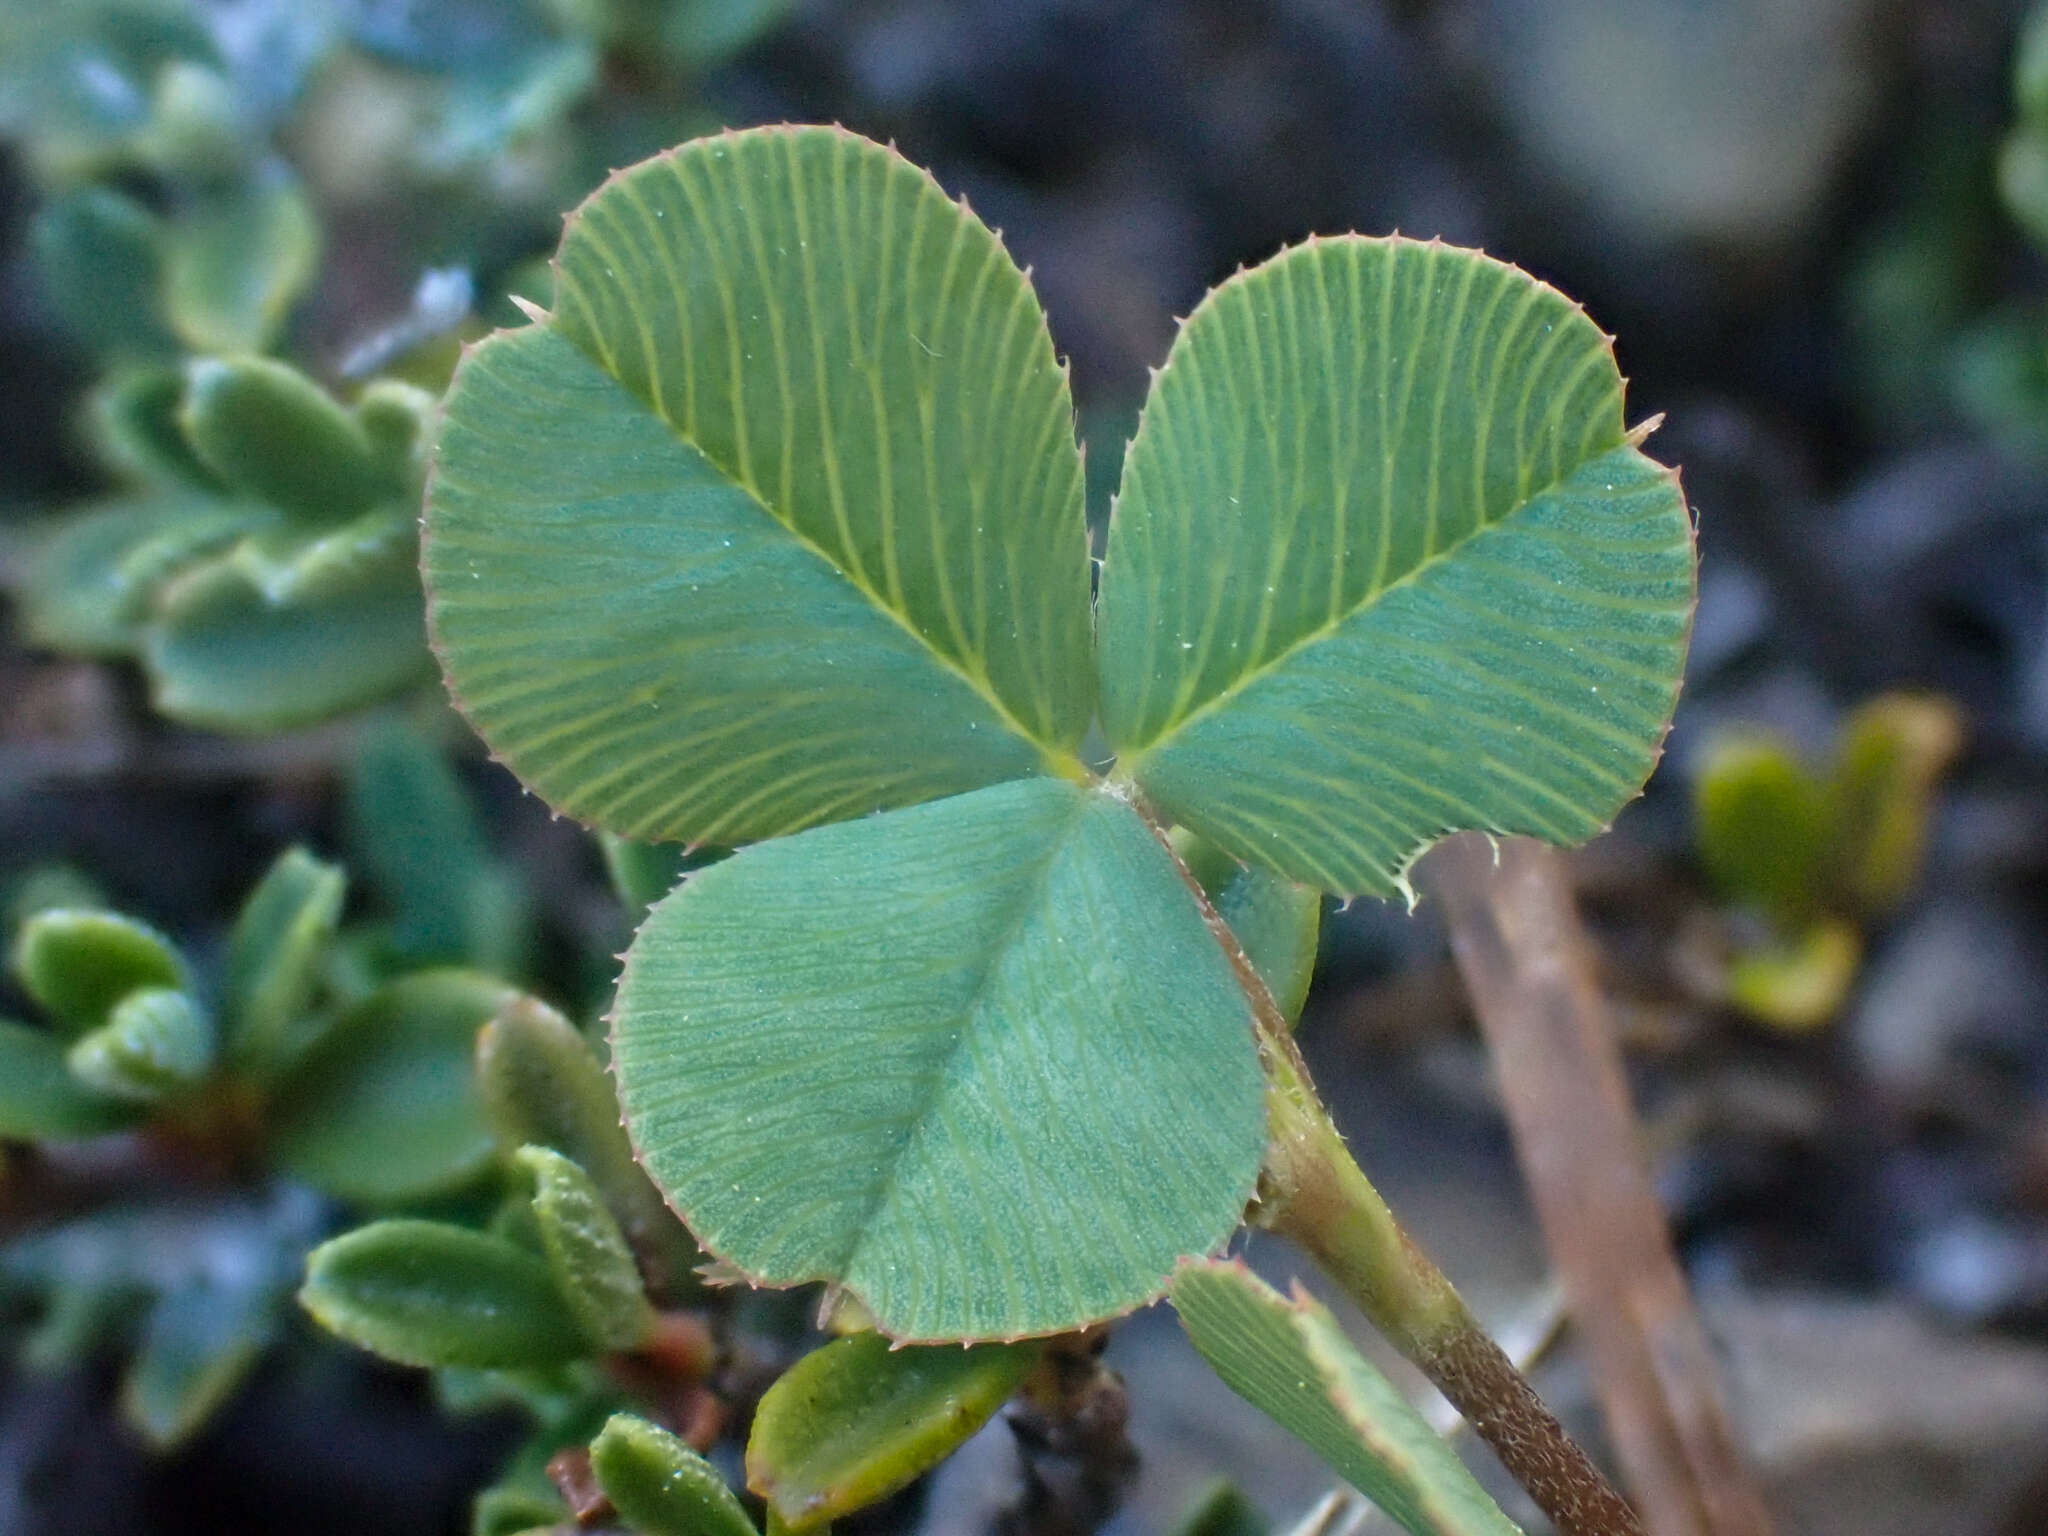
770,534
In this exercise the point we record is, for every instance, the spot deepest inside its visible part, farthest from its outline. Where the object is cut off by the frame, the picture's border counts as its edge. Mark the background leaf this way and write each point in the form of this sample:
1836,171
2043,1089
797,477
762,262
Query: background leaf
426,1293
1291,1360
199,1344
386,1107
274,957
855,1420
778,520
1384,566
985,1052
39,1096
234,266
271,433
225,657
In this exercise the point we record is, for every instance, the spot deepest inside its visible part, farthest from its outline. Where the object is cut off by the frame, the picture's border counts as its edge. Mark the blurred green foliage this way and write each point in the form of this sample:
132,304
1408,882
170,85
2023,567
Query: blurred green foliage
1816,857
259,558
245,1085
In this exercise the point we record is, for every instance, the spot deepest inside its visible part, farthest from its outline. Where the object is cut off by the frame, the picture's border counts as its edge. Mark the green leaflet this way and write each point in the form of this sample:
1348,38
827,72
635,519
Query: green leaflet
1291,1360
425,1293
940,1036
1385,565
855,1420
778,519
660,1486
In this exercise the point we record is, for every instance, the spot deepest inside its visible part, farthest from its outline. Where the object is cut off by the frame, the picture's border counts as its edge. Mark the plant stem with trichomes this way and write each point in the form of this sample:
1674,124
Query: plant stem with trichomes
1312,1191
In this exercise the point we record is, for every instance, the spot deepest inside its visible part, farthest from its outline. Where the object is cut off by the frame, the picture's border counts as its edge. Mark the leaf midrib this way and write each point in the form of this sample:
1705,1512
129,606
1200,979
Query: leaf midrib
1130,757
933,1089
1058,761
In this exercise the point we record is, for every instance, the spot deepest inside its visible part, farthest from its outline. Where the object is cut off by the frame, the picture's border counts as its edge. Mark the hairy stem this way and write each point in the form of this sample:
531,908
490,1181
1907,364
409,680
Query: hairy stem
1530,966
1313,1192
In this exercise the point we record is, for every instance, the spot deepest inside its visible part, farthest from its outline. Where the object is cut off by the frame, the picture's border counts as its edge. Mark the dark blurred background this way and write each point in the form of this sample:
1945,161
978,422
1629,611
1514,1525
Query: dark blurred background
1792,216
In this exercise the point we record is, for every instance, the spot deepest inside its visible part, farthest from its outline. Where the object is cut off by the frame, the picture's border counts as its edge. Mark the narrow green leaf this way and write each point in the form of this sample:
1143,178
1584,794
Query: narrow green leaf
40,1099
788,480
223,657
425,1293
275,954
198,1347
1278,923
587,1253
385,1107
660,1486
542,1085
234,266
850,1423
938,1035
156,1041
273,434
1386,565
1289,1359
78,964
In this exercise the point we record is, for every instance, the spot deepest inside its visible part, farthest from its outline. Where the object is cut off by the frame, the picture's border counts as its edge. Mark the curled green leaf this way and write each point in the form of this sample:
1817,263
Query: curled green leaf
274,957
541,1085
587,1253
272,434
77,964
156,1042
